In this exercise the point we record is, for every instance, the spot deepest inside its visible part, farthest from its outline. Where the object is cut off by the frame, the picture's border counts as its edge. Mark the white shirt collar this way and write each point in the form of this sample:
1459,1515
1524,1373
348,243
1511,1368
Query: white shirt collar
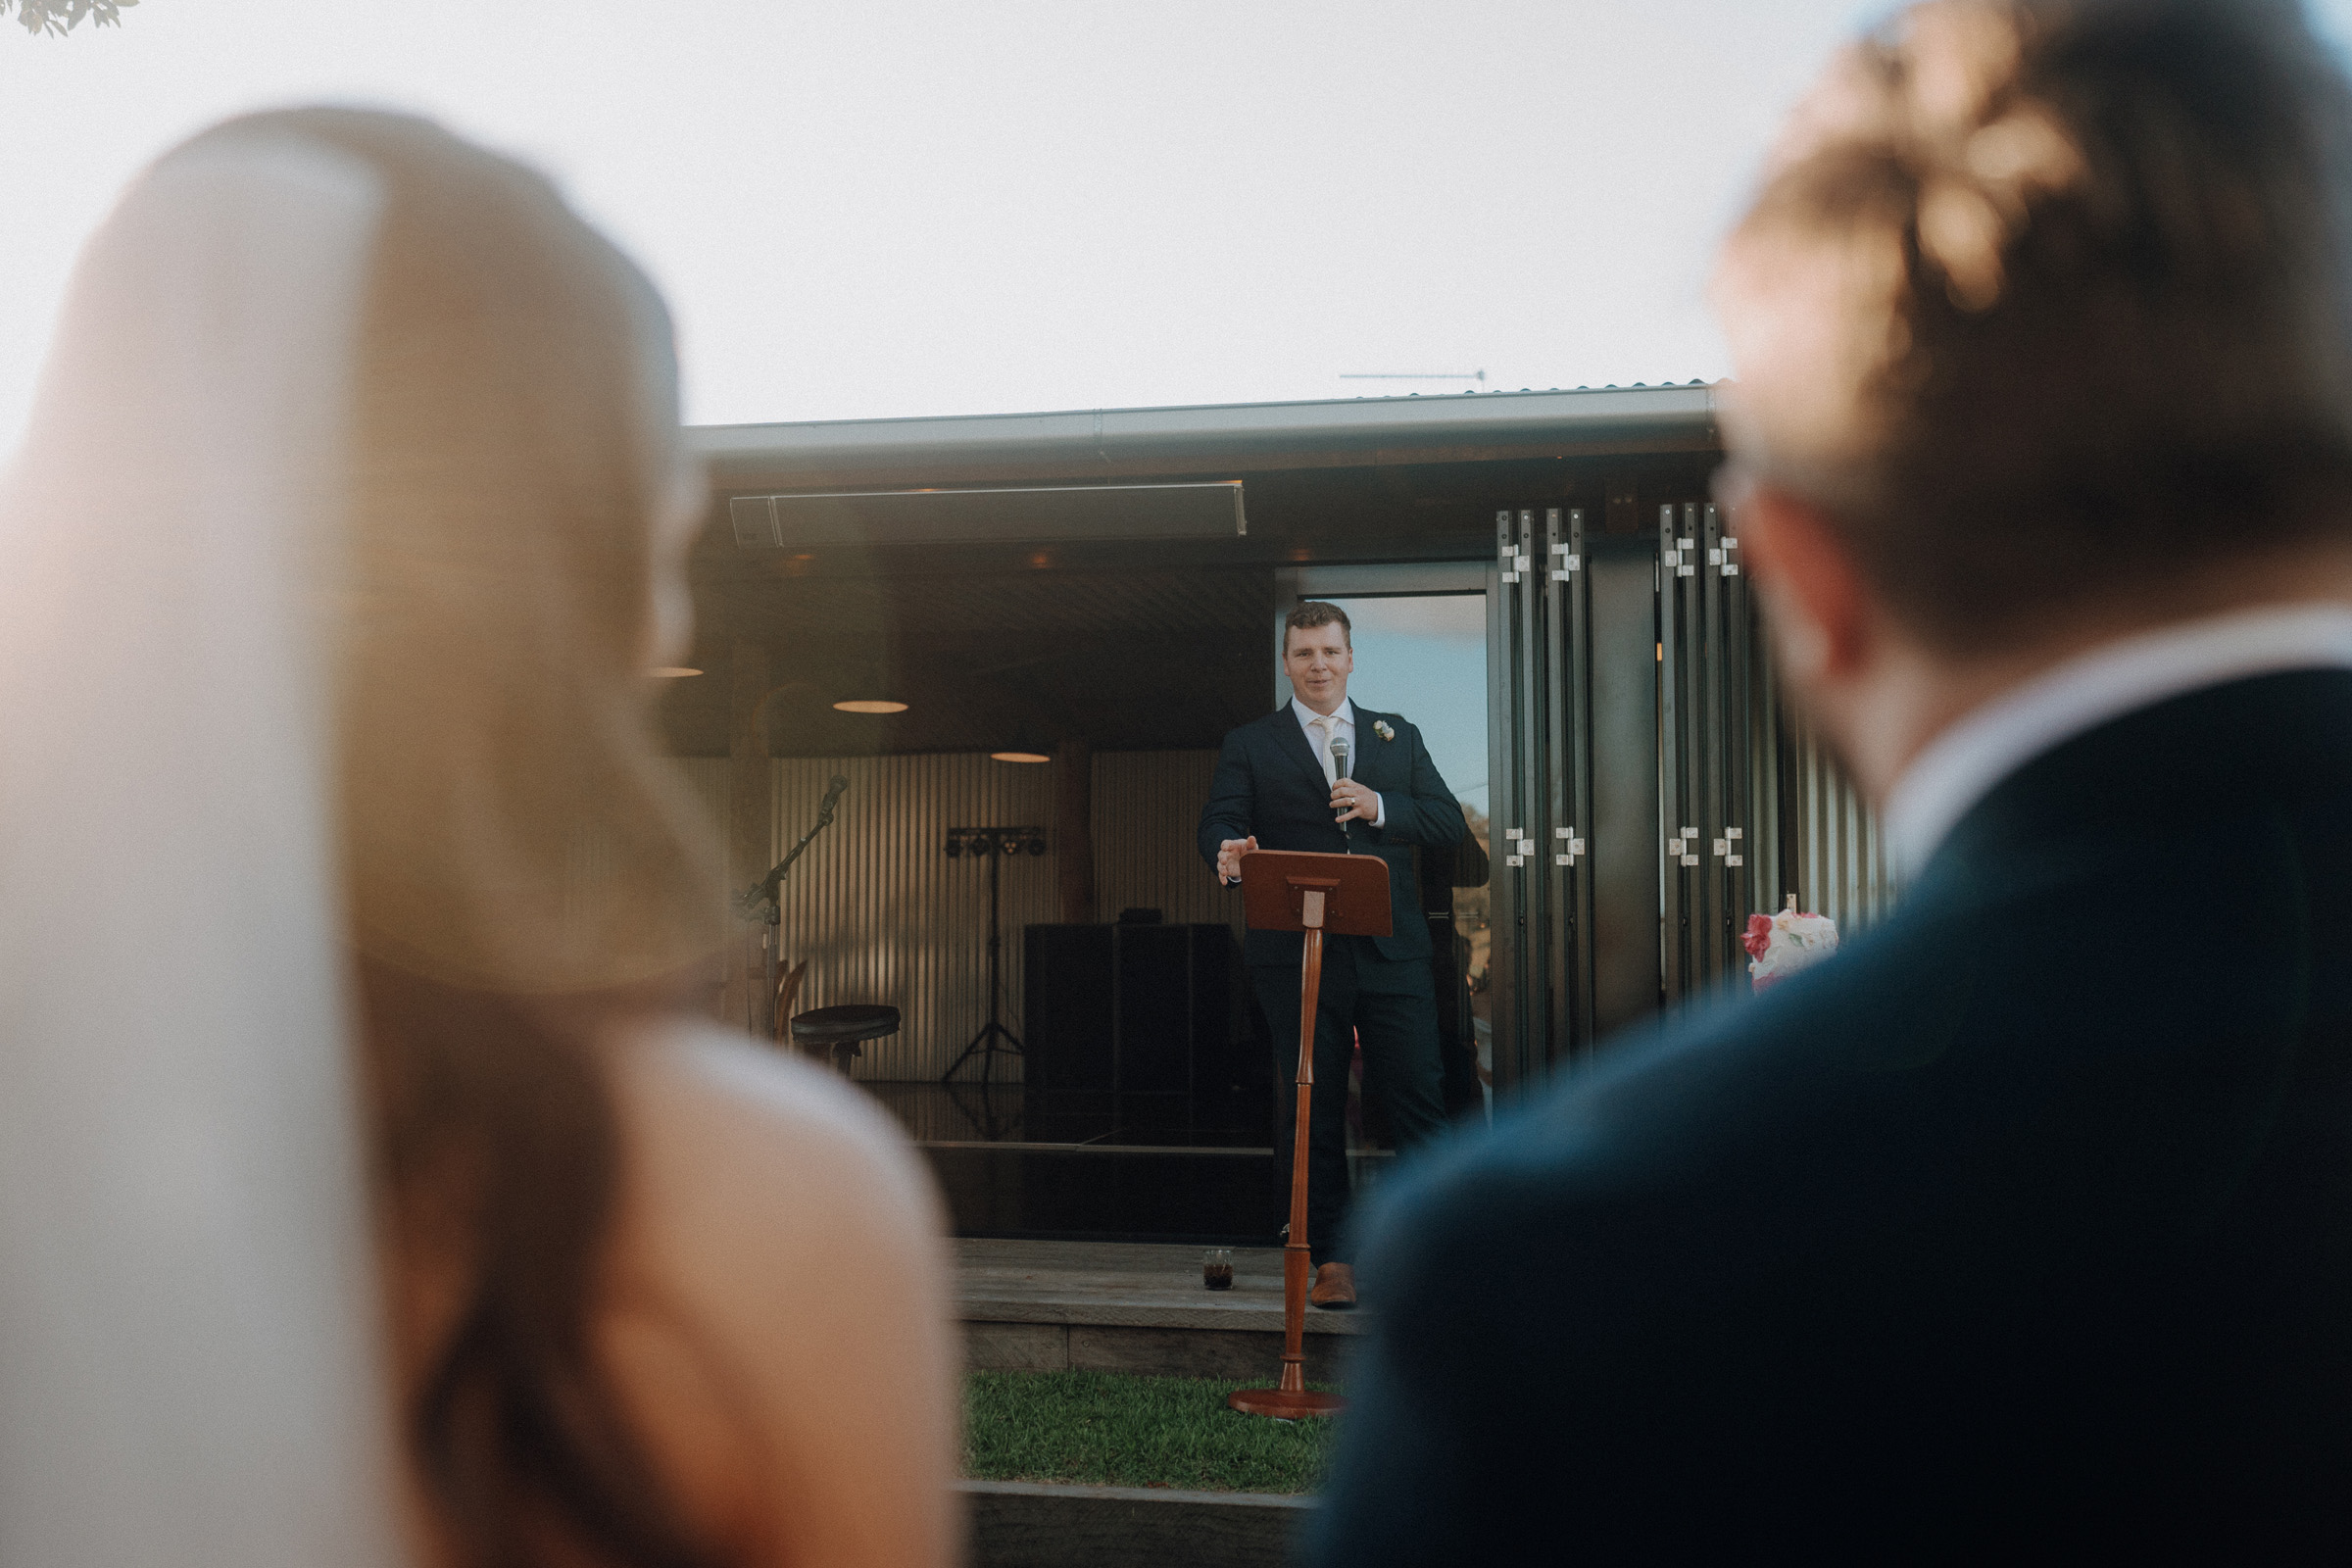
1345,713
1961,766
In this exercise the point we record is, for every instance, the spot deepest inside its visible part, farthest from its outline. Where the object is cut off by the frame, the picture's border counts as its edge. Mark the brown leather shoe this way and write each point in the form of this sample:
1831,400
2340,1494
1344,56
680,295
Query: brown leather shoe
1335,1288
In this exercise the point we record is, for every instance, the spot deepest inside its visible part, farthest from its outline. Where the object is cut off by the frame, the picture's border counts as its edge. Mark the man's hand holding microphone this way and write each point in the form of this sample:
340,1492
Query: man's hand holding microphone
1348,798
1351,801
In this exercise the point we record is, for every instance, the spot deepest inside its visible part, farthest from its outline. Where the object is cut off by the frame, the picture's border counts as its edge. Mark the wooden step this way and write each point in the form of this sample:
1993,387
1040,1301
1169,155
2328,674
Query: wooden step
1136,1307
1018,1524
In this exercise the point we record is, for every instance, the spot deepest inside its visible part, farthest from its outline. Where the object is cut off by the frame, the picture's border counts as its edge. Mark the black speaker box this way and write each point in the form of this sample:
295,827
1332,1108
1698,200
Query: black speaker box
1133,1008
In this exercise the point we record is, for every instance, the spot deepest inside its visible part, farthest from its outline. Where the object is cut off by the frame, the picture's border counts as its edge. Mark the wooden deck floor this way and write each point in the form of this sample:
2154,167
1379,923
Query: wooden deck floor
1135,1286
1132,1308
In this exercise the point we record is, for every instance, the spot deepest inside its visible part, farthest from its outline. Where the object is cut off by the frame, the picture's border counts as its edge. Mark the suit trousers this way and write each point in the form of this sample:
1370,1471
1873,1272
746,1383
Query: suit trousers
1392,1008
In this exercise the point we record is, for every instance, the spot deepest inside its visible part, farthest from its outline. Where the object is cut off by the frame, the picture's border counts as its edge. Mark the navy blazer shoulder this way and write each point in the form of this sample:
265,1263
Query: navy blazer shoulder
2023,1225
1269,785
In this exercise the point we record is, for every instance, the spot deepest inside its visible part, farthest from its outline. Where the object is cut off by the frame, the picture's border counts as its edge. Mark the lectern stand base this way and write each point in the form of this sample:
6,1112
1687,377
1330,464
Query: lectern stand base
1284,1405
1315,895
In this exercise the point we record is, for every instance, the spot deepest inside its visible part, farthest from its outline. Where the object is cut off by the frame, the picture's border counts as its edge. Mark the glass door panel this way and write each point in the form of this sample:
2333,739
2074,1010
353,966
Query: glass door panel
1425,656
1420,637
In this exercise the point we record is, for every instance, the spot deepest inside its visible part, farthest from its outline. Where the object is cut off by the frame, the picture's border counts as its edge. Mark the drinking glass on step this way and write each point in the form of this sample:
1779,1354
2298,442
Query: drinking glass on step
1216,1268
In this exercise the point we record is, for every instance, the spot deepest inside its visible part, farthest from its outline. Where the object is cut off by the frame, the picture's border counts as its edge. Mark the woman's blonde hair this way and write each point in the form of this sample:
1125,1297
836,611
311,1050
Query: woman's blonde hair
520,864
509,822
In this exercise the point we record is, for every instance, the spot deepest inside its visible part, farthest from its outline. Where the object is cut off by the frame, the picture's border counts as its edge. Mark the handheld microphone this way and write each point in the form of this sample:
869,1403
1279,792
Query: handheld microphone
1339,760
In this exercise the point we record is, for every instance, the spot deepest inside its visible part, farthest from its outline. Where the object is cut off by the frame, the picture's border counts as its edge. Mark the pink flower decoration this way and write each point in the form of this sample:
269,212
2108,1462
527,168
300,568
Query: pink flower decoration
1759,935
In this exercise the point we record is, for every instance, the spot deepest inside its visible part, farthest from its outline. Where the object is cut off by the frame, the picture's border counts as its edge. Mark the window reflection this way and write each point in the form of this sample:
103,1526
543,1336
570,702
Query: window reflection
1425,656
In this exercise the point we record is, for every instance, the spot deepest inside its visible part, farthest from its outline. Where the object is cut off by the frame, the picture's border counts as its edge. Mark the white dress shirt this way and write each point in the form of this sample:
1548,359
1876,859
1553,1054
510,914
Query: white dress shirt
1340,725
1961,766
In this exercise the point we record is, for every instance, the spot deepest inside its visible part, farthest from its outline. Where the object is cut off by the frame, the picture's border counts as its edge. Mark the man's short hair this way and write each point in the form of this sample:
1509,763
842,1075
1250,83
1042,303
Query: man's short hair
1312,613
2058,290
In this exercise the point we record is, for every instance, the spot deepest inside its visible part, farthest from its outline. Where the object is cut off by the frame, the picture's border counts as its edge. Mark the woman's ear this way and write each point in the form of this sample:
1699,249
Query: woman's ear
1817,603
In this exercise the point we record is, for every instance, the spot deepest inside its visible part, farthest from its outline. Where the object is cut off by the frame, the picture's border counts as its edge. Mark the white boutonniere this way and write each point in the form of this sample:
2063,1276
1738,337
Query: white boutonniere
1379,728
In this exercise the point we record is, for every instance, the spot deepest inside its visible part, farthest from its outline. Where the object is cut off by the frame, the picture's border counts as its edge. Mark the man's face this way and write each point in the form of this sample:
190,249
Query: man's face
1318,662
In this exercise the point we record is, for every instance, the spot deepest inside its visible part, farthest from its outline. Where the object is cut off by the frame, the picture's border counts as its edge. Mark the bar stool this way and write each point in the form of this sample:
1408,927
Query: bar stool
840,1029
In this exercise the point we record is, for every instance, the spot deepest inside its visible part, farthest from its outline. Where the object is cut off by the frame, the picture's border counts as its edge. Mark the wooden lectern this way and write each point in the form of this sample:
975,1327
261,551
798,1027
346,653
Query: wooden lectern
1343,895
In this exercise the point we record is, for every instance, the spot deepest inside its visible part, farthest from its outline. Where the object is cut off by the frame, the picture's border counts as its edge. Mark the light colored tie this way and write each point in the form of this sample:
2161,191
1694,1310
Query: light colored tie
1323,728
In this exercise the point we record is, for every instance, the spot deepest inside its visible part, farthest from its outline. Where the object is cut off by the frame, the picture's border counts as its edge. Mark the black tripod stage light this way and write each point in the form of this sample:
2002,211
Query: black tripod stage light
994,843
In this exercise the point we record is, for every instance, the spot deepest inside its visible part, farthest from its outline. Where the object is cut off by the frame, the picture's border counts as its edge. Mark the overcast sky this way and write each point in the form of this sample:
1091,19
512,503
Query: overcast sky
903,206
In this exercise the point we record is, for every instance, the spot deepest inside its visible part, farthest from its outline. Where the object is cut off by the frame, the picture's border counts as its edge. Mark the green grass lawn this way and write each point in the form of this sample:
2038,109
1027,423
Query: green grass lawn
1108,1429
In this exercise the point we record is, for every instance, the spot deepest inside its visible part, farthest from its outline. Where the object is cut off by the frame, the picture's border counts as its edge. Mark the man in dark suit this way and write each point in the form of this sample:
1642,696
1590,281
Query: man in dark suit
1277,786
2023,1228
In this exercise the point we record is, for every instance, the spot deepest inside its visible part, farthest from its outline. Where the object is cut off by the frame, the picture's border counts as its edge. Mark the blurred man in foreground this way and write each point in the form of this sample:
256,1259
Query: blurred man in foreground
2025,1225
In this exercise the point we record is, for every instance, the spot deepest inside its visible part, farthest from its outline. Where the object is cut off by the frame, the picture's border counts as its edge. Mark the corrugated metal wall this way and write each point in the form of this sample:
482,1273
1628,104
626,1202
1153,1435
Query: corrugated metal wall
883,915
1146,810
1842,865
1811,826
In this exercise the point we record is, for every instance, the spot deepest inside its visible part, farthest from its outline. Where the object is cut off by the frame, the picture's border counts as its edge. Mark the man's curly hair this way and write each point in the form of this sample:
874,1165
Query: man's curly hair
2050,298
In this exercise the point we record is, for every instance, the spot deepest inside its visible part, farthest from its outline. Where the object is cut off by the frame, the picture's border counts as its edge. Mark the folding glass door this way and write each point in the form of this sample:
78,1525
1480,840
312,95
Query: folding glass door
1649,791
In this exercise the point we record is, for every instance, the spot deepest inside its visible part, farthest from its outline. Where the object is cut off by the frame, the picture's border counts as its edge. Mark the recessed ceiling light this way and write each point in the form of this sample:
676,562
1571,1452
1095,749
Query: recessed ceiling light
1020,756
871,705
674,671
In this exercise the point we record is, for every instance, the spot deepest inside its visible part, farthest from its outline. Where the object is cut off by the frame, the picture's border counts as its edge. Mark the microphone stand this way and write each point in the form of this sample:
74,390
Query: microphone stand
758,904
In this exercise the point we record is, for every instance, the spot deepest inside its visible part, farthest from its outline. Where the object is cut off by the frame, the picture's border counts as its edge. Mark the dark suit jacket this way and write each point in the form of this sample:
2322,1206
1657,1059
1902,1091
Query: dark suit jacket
2023,1225
1269,783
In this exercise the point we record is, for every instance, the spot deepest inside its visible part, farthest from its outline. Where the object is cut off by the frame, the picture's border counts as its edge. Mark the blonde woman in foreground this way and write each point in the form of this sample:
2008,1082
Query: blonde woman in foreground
350,516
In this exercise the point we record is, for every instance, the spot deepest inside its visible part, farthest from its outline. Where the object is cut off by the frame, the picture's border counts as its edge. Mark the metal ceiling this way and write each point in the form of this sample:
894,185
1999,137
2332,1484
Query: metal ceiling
1143,659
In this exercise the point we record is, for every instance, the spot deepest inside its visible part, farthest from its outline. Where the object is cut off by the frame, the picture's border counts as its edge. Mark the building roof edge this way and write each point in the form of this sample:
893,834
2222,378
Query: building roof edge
1220,437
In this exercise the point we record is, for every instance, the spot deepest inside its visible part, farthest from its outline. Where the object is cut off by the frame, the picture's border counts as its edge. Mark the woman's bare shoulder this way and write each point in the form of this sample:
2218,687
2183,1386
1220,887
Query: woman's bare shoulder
720,1127
782,1215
